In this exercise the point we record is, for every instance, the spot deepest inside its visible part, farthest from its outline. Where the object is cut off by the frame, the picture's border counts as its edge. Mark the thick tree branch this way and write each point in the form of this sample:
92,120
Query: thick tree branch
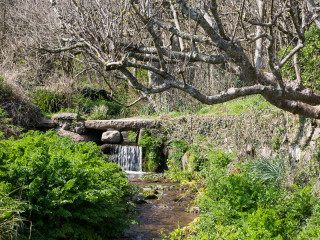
214,11
296,107
191,57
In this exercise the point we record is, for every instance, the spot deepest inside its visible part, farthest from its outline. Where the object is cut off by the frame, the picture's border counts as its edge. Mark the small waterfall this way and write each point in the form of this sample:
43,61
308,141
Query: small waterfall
128,157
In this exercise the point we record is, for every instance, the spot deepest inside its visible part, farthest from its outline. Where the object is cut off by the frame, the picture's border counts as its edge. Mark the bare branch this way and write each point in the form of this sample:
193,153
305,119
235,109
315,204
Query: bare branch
176,22
289,56
214,11
64,49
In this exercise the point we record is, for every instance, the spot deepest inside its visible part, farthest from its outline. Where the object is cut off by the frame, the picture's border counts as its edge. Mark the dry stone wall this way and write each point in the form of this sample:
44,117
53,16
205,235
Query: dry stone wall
263,133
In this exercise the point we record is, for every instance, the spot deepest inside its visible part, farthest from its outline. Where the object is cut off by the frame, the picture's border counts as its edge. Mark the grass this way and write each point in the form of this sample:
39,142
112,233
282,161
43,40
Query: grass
237,106
234,107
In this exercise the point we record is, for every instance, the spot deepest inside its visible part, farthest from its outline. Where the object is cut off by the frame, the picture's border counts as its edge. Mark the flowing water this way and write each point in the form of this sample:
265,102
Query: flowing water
156,216
161,215
128,157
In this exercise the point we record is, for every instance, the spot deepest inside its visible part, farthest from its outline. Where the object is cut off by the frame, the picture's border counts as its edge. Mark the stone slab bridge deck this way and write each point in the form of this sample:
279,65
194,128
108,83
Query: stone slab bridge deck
125,124
113,131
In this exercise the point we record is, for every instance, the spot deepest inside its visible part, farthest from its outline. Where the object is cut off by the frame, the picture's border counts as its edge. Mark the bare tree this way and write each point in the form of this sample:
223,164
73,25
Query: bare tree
117,38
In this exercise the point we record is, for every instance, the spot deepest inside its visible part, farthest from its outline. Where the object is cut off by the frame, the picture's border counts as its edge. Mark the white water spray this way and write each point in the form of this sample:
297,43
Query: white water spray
128,157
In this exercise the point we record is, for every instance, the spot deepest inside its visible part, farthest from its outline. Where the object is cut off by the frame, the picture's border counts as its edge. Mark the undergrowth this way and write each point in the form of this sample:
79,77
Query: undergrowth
66,190
94,106
251,202
151,147
234,107
19,110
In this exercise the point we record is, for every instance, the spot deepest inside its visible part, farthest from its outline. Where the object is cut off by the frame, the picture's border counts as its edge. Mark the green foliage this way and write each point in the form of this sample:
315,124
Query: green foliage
276,140
250,204
146,110
176,234
181,176
114,108
132,136
5,90
67,110
50,101
312,230
237,106
219,158
94,93
10,210
196,158
199,159
151,148
268,170
142,74
4,123
93,101
309,56
178,149
99,113
87,105
68,189
239,206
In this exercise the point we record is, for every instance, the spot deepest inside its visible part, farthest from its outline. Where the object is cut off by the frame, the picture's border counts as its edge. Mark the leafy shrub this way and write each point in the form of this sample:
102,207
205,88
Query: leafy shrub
178,149
67,110
3,122
146,109
239,206
114,108
94,93
151,148
10,210
84,104
216,159
50,101
99,113
132,136
268,170
196,158
5,90
68,189
6,128
87,105
312,230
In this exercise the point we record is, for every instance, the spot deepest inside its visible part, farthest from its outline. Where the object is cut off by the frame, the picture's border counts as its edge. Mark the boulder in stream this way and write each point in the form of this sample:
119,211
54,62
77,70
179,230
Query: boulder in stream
111,137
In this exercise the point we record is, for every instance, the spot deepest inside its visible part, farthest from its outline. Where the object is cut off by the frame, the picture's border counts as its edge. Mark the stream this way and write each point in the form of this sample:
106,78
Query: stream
163,214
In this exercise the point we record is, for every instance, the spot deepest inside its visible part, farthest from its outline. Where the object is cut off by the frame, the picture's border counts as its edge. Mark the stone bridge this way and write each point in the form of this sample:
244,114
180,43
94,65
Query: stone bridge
115,131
